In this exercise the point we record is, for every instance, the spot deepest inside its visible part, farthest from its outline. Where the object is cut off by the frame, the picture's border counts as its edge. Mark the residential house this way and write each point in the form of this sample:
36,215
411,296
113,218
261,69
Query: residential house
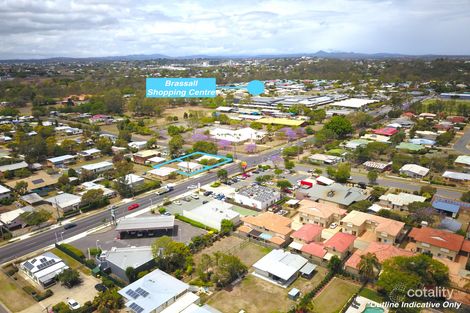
189,167
399,201
61,161
143,156
12,220
119,259
340,244
86,186
462,178
410,146
90,153
461,160
4,192
324,159
372,227
99,167
134,181
439,243
306,234
377,138
159,292
44,269
139,145
257,197
414,170
356,143
382,251
322,214
377,166
449,207
268,227
341,195
13,167
279,267
65,202
39,182
163,172
238,136
387,131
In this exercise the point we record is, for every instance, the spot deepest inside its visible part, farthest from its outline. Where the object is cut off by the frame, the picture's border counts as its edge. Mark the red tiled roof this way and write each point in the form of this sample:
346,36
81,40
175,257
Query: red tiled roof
387,131
466,246
315,249
307,233
438,238
340,241
382,252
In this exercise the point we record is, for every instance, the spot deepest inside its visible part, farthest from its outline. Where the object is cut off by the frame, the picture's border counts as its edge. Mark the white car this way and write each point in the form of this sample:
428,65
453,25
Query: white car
73,305
192,187
177,202
333,225
195,196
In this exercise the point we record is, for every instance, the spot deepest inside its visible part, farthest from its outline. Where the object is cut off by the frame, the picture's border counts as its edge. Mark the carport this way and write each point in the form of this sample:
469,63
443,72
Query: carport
148,226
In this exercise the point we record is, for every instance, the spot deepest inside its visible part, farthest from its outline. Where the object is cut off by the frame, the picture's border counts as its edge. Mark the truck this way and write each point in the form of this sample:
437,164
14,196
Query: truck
165,189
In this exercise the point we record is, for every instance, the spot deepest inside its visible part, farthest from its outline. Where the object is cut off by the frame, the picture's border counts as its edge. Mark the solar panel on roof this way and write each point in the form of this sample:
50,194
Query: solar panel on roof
37,181
142,292
28,265
136,308
132,293
43,260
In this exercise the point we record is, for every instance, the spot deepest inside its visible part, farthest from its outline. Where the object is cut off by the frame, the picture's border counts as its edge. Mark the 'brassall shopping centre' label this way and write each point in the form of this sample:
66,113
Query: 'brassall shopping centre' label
180,88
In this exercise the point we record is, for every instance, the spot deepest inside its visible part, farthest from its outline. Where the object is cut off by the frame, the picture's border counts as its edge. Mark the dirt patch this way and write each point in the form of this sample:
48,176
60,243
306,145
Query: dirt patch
12,296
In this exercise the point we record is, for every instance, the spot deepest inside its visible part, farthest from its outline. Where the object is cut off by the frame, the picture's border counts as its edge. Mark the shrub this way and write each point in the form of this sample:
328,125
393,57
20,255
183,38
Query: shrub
162,210
72,250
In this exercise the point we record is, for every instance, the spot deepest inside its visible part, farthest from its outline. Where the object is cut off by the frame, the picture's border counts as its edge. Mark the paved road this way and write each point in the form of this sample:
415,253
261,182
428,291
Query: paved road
41,240
461,144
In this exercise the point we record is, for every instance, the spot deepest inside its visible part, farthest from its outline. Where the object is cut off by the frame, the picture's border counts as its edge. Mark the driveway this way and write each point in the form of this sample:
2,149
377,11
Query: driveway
84,292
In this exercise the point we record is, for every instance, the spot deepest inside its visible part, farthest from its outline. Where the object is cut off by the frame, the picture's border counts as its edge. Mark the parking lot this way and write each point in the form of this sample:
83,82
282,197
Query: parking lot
106,238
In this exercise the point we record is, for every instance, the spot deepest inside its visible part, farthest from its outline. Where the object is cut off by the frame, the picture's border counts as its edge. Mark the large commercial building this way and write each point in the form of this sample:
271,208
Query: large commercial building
257,197
145,226
213,213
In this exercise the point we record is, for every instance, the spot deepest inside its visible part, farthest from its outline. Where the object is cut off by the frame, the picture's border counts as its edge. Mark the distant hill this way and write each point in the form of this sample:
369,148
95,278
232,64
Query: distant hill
319,54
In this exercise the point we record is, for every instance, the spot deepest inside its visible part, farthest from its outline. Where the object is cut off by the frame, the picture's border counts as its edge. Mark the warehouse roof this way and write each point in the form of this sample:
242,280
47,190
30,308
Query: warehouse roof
129,256
145,223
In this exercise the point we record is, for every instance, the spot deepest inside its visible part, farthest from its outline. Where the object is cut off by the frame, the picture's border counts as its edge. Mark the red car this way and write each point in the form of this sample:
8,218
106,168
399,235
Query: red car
133,206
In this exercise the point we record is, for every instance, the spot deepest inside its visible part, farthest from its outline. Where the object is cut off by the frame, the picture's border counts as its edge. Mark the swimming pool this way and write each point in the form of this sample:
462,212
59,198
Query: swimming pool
372,309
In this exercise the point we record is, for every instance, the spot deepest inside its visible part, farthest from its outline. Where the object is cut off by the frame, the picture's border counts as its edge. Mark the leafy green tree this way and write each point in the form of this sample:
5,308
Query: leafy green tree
21,187
334,265
69,278
372,176
283,184
105,145
36,217
465,196
222,174
362,206
368,266
61,307
340,125
93,198
131,274
398,137
171,255
176,145
108,301
205,146
226,227
113,101
445,138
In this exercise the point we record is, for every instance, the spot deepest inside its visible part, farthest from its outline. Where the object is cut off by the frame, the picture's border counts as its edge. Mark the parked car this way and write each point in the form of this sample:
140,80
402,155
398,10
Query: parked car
255,172
192,187
208,193
195,196
70,225
166,214
133,206
362,185
101,287
187,199
177,202
205,201
73,305
333,225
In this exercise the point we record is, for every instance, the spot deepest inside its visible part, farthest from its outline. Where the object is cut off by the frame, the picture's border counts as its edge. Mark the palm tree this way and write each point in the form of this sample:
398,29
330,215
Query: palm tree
368,265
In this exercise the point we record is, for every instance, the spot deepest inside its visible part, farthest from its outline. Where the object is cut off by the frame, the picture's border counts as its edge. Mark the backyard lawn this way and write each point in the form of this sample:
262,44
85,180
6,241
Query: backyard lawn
12,296
334,296
71,262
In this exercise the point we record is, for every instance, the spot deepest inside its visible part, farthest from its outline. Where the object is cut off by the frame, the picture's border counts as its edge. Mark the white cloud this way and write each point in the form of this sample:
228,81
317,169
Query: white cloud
176,28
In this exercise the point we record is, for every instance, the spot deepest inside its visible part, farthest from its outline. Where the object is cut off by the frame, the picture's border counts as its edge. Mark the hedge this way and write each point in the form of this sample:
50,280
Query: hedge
72,251
194,223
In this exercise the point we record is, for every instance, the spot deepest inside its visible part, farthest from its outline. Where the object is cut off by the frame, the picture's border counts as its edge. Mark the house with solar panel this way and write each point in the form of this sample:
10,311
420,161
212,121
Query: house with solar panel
159,292
44,269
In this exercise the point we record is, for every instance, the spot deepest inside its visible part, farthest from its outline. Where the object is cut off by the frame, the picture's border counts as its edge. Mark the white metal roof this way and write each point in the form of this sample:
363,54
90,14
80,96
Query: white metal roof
61,158
95,166
129,256
280,263
163,171
145,223
456,175
416,169
402,198
4,189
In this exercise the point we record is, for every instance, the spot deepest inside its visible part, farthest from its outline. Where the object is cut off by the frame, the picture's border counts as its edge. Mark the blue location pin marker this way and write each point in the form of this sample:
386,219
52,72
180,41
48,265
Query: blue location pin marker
255,87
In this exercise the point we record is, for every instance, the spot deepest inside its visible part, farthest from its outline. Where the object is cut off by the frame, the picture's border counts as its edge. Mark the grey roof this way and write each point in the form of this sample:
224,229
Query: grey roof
308,268
259,193
32,198
145,223
14,166
129,256
61,158
450,224
152,291
281,263
337,193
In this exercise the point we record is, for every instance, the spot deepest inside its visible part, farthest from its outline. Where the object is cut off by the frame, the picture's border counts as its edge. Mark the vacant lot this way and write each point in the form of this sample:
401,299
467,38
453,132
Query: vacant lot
248,252
254,294
12,296
334,296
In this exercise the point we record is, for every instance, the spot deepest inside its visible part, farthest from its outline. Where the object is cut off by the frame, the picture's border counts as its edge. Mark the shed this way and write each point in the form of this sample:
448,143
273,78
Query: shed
293,294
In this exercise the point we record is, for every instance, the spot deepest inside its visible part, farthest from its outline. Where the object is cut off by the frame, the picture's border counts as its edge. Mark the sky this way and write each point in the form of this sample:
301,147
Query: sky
89,28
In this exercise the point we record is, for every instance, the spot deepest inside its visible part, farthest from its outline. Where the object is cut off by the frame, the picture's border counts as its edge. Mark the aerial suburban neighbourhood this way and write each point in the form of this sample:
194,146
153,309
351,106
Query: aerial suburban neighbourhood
214,180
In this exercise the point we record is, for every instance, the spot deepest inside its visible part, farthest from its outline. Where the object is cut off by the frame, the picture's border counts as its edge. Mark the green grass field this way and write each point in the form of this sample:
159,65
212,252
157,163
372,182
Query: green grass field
335,295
